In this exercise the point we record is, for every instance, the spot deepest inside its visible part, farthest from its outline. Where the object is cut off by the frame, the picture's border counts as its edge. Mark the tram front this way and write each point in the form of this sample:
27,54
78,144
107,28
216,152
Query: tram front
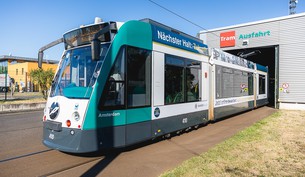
72,87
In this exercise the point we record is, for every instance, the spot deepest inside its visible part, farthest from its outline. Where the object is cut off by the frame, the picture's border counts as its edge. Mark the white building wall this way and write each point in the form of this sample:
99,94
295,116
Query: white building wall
286,32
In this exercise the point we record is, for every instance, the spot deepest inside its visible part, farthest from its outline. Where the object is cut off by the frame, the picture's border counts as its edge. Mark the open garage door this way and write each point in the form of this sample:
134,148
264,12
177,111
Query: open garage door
267,56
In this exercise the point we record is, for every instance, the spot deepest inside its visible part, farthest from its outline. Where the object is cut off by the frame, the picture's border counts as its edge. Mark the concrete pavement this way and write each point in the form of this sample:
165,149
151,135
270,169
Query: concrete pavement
25,98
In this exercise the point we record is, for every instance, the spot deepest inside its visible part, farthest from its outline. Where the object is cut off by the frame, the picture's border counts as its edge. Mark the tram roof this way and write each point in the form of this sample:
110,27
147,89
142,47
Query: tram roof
150,21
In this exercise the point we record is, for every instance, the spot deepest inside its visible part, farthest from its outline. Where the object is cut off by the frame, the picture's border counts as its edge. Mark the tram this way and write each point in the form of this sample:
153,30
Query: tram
118,84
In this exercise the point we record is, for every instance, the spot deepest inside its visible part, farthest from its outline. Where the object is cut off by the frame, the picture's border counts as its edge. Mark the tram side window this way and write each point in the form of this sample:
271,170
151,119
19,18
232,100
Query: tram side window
113,94
174,80
192,80
262,84
138,77
219,82
244,84
228,81
250,83
238,84
181,80
233,83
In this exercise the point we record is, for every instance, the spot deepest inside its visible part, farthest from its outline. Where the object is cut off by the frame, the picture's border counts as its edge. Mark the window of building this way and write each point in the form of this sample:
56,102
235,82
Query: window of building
13,62
22,71
181,80
3,67
16,71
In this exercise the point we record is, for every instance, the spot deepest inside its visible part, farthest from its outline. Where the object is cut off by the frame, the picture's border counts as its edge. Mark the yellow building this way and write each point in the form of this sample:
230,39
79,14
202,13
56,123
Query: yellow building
19,68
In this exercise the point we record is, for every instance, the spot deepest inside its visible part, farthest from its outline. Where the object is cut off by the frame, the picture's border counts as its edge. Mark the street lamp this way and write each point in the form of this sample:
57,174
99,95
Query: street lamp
292,6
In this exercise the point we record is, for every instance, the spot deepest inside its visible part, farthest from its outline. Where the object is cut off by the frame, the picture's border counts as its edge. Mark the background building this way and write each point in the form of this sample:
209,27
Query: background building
278,43
19,68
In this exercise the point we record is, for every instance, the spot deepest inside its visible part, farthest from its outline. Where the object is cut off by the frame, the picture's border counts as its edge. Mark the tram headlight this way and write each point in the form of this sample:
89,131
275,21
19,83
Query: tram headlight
68,123
76,116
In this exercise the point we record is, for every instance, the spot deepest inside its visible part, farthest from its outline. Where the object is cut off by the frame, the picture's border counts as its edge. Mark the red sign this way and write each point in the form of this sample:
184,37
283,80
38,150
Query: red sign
285,85
227,39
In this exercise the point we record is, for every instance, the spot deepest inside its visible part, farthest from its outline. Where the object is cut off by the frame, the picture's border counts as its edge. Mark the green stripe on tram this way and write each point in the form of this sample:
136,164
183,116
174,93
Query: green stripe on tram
138,115
132,33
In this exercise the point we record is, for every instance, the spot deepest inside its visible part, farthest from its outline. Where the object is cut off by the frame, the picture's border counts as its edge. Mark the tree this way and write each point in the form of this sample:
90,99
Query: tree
43,78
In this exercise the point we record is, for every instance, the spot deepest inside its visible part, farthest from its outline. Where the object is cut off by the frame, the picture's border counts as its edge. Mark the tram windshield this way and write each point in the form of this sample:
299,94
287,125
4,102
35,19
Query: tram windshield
77,73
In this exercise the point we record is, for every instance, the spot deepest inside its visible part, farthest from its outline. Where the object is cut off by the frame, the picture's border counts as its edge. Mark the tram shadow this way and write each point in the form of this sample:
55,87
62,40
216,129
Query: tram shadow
105,157
101,164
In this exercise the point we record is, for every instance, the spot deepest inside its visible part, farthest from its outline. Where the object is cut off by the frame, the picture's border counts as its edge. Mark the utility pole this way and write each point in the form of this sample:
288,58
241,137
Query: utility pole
5,85
292,6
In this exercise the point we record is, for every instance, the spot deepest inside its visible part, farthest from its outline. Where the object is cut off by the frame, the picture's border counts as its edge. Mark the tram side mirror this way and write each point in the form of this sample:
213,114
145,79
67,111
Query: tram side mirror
40,58
95,49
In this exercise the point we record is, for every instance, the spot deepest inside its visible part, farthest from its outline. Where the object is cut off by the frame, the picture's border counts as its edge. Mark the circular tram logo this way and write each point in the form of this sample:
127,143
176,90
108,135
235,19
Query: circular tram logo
54,110
157,112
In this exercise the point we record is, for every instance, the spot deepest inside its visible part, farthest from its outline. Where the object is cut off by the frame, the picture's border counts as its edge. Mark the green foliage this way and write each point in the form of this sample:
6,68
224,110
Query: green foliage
43,78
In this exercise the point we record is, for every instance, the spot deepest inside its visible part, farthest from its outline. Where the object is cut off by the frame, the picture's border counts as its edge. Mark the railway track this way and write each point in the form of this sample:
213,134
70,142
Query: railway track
35,159
22,129
25,155
59,171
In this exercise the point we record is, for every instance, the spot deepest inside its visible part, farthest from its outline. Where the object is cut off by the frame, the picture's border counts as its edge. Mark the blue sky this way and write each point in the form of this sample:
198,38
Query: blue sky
27,25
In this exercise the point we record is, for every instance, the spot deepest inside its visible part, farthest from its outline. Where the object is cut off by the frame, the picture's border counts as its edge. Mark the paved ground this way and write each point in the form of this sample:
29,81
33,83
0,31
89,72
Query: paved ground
22,153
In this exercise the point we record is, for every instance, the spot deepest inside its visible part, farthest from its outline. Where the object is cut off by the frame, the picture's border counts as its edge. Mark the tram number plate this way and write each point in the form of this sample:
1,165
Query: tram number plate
51,136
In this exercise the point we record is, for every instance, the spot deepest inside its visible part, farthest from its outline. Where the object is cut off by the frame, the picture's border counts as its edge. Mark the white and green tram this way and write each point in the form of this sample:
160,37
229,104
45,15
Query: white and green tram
118,84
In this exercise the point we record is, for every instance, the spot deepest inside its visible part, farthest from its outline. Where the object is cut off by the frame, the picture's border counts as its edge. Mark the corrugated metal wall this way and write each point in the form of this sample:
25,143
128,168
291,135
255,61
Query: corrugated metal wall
292,60
289,34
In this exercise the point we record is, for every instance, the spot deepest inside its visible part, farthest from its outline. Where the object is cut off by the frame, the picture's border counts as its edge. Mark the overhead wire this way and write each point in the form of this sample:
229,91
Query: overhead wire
193,23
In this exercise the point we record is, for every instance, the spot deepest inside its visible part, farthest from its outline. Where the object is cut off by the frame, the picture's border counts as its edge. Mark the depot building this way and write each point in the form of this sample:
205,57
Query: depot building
278,43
